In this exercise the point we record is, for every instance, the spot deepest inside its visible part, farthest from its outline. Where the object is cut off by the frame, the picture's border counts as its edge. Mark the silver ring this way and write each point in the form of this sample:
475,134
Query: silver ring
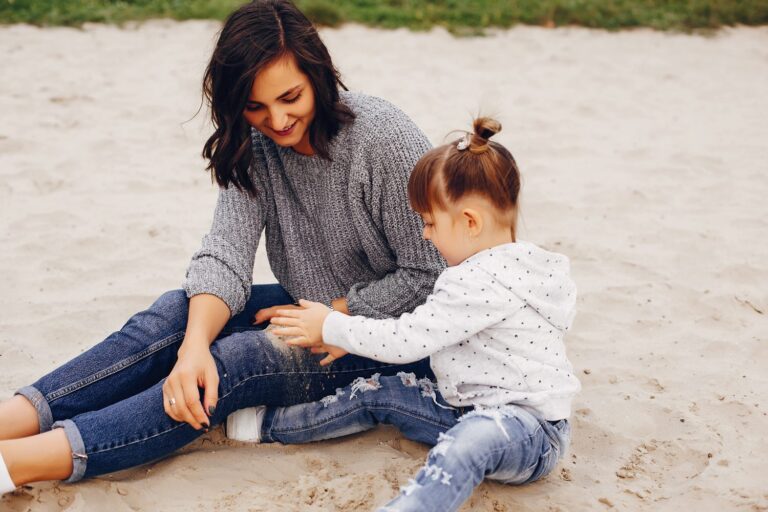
171,402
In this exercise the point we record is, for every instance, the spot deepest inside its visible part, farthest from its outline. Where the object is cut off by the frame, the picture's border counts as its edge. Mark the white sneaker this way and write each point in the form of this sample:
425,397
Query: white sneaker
6,484
245,424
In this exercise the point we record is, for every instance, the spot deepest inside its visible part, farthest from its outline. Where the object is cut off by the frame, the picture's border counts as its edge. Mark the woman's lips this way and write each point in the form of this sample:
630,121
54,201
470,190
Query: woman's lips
287,131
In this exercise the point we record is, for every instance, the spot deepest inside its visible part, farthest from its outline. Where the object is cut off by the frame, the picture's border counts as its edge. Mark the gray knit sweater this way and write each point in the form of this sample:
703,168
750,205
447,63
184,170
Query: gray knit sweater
333,229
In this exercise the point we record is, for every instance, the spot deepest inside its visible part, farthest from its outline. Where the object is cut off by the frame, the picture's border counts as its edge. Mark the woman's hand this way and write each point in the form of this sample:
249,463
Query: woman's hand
195,368
304,325
266,314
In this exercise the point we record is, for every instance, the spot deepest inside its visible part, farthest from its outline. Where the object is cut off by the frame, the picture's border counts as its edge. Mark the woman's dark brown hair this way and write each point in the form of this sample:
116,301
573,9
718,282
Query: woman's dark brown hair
470,165
255,35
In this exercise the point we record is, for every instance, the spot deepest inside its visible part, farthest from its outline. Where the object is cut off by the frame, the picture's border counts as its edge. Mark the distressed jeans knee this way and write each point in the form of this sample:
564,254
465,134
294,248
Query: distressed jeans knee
403,400
506,443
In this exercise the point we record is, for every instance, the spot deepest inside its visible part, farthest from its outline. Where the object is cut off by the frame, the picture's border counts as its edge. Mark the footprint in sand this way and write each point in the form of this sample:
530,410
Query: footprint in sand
653,462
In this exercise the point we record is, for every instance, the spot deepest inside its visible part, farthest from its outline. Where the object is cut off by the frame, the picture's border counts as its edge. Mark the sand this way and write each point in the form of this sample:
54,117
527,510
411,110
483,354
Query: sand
644,158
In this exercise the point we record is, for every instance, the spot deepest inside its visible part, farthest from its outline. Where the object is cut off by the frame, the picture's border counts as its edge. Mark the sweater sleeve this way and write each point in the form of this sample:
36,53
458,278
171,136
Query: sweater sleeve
464,303
224,264
391,156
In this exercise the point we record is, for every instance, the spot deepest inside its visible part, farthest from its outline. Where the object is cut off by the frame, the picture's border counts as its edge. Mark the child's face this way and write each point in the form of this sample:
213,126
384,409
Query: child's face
467,227
449,236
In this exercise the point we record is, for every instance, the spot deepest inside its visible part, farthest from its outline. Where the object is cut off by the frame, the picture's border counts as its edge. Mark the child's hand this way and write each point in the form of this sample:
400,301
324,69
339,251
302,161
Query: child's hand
304,326
333,353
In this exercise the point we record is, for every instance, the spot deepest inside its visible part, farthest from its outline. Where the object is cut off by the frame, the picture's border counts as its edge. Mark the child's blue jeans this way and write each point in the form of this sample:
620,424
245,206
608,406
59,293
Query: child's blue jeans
507,444
109,399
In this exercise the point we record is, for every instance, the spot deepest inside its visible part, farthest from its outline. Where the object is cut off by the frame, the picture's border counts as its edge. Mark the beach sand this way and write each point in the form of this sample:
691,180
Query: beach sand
645,160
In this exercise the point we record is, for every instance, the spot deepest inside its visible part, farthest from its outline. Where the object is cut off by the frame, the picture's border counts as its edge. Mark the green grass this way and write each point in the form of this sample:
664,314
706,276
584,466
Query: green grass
460,16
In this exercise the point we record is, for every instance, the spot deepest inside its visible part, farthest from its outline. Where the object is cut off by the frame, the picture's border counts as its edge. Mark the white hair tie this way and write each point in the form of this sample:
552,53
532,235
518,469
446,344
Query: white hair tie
464,143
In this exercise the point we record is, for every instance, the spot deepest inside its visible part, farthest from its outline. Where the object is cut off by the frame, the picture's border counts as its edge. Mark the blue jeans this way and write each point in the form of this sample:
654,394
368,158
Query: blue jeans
508,444
109,399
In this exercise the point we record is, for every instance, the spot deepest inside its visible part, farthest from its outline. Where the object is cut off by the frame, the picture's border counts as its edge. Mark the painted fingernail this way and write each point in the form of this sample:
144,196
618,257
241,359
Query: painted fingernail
211,409
207,426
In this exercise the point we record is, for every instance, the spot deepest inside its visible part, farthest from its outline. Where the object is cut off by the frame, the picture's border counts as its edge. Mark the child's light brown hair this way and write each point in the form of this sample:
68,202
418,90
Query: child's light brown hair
447,173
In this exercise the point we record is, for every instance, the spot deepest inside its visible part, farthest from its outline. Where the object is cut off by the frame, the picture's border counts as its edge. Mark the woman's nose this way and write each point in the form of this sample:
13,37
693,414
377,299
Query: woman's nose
278,119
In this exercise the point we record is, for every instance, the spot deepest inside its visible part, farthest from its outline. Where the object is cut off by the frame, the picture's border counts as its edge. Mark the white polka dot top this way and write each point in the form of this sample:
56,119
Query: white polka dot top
493,327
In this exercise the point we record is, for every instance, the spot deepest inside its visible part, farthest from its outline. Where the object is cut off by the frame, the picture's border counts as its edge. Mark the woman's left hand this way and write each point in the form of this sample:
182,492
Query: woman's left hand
304,325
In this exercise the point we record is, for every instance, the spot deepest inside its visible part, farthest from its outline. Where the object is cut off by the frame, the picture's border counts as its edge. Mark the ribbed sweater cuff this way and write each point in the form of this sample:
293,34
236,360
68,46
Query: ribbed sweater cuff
215,278
358,306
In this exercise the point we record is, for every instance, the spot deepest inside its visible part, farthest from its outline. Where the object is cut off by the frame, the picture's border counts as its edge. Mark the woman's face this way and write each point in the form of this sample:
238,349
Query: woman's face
282,104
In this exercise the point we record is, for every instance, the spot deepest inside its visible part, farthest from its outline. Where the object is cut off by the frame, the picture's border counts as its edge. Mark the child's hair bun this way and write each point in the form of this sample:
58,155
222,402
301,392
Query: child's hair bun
484,128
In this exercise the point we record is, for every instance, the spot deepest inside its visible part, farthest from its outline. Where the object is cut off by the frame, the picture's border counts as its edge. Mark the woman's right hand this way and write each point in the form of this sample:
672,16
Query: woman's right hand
194,369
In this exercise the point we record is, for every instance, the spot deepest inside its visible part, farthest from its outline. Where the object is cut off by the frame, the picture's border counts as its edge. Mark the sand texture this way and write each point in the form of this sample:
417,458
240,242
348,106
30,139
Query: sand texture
645,159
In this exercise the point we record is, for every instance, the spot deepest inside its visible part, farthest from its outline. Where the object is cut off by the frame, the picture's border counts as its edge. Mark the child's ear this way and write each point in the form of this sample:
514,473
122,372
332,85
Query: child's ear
473,221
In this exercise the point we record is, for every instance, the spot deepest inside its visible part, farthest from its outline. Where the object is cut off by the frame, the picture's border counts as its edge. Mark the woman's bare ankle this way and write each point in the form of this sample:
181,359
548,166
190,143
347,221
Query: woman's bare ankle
38,458
20,418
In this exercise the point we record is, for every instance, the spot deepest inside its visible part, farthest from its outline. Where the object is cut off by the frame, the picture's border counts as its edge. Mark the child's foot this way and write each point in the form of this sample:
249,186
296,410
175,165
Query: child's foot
6,484
245,424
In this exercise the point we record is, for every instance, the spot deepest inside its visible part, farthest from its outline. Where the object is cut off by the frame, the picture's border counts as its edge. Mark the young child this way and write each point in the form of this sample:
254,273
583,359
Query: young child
493,327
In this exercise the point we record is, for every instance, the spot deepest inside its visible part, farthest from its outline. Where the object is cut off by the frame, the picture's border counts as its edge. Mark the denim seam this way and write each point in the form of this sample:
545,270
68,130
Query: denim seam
491,452
138,440
181,425
488,455
294,373
115,368
348,413
455,503
539,427
155,435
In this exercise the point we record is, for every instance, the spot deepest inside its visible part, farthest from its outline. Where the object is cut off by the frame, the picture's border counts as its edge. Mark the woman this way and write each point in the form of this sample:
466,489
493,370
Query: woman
324,173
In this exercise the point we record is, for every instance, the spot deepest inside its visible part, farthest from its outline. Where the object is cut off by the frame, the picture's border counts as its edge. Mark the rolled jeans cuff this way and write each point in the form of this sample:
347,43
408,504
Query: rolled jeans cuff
44,414
79,457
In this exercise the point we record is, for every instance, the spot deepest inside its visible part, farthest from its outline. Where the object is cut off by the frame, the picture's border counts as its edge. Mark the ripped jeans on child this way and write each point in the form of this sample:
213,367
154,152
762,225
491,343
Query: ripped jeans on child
507,444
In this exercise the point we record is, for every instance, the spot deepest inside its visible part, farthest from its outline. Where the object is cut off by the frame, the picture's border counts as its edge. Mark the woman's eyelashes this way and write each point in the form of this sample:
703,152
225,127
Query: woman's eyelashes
253,107
294,99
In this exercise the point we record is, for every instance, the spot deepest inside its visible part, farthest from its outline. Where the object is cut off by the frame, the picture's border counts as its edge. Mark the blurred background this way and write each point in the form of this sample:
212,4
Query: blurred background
457,15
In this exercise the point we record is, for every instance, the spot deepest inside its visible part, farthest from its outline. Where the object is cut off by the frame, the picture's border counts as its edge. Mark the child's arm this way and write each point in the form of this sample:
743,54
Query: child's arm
464,302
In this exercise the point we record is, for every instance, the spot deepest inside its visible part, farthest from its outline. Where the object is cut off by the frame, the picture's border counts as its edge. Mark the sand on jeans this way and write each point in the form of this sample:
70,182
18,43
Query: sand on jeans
645,159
